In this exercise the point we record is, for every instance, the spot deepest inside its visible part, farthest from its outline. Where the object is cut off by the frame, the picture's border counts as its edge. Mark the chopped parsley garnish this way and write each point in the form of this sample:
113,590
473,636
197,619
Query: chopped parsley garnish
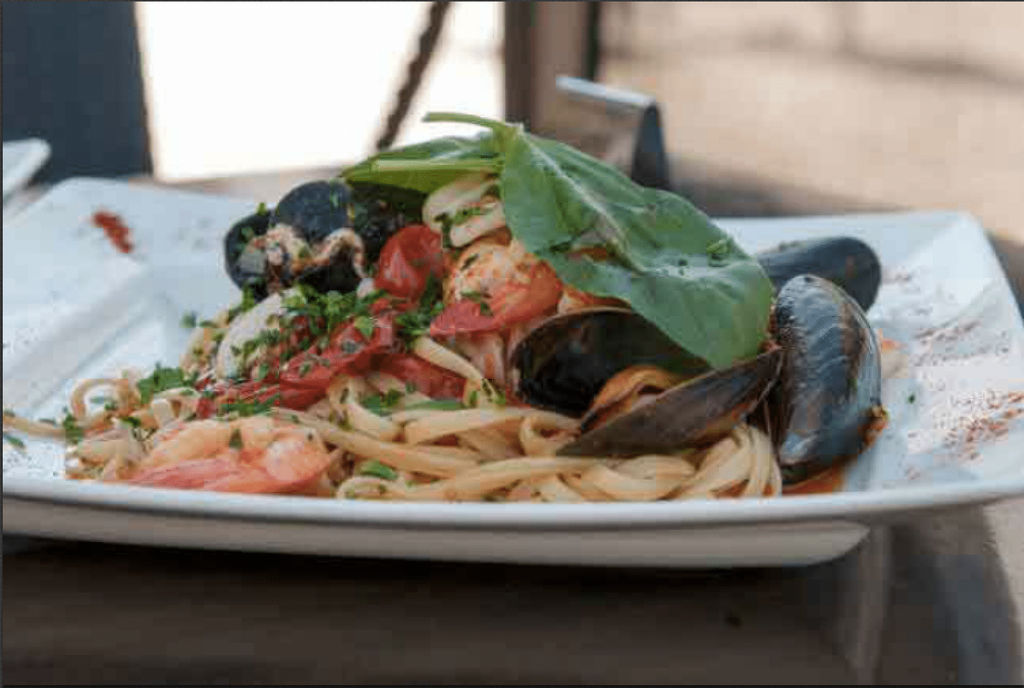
132,421
473,397
378,470
48,421
446,230
436,405
14,440
366,325
248,408
247,303
305,368
73,433
208,324
912,398
161,380
349,347
188,320
480,298
466,213
261,372
410,386
247,233
469,261
416,323
335,201
382,404
261,209
236,439
101,399
305,253
494,394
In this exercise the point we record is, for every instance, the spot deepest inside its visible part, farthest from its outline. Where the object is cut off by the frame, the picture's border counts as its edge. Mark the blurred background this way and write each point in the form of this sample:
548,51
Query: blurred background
765,108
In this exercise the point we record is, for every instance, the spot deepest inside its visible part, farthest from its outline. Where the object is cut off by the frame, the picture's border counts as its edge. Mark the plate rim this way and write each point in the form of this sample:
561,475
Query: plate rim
855,506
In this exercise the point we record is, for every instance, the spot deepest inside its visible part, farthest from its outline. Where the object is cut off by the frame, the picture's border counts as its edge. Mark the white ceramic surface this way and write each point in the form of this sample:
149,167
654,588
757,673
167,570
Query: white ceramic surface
73,307
22,159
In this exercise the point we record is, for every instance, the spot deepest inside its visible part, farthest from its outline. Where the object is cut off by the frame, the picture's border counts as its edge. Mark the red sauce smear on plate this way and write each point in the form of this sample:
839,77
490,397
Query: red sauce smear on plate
826,482
120,235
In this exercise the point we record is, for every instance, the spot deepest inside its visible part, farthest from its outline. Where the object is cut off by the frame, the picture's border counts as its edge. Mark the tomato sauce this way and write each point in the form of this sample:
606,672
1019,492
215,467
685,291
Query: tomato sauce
826,482
120,235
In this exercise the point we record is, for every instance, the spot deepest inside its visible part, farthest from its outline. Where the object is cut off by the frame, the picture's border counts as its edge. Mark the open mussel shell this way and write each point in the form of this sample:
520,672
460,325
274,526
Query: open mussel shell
246,267
315,209
564,362
694,413
828,394
845,261
325,232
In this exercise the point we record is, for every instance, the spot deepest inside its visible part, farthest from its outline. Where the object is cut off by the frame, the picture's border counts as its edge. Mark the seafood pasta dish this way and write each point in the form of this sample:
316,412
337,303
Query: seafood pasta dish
497,318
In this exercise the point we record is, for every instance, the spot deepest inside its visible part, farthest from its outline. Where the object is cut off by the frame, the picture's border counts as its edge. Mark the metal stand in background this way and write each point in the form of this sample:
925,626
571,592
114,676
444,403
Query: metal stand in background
618,126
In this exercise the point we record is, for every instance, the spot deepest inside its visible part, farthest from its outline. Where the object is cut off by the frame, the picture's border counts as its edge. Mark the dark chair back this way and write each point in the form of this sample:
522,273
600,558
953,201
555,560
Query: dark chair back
72,75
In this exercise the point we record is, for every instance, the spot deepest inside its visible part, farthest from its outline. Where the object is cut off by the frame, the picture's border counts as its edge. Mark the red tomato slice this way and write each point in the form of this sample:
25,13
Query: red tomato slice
408,259
511,303
348,351
432,380
258,391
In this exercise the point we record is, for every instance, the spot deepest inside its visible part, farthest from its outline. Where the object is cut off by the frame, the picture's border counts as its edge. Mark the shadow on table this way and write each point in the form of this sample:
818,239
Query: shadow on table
936,612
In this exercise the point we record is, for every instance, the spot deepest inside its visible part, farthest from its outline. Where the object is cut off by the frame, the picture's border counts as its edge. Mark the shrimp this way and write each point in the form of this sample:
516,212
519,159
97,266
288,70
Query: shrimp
255,454
486,351
494,286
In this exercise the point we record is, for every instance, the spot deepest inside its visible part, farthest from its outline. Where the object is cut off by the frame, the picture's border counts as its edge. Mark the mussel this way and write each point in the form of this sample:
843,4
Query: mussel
696,412
817,381
828,394
564,362
323,233
845,261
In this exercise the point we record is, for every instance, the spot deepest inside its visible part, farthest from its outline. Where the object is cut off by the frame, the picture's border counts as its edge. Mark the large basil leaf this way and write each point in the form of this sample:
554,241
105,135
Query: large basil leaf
666,258
446,150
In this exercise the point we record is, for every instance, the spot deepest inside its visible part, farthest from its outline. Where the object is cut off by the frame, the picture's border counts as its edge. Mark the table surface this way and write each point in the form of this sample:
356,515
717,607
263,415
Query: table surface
926,602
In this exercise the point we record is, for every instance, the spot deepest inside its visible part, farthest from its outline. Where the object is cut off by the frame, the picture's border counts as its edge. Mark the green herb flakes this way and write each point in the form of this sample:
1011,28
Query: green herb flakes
480,298
366,325
378,470
15,441
73,433
188,321
160,380
236,439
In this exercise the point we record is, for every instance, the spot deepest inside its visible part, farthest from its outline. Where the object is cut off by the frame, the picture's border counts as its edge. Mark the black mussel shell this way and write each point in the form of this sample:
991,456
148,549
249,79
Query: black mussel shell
845,261
380,210
247,274
692,414
315,209
829,391
562,363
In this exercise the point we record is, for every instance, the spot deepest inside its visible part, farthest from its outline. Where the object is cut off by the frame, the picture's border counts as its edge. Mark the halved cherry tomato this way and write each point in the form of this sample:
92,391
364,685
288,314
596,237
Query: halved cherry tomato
432,380
304,378
408,259
348,351
293,398
512,302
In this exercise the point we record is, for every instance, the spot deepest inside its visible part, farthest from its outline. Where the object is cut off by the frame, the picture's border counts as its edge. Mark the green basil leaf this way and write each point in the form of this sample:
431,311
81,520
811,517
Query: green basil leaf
667,259
606,235
450,149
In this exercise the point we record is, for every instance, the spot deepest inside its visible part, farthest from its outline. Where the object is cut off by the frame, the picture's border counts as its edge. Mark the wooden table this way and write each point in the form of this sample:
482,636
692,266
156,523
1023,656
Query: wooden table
929,602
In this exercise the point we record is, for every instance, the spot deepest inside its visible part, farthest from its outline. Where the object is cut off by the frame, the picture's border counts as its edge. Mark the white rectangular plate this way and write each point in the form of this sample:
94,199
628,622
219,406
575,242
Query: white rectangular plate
74,307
